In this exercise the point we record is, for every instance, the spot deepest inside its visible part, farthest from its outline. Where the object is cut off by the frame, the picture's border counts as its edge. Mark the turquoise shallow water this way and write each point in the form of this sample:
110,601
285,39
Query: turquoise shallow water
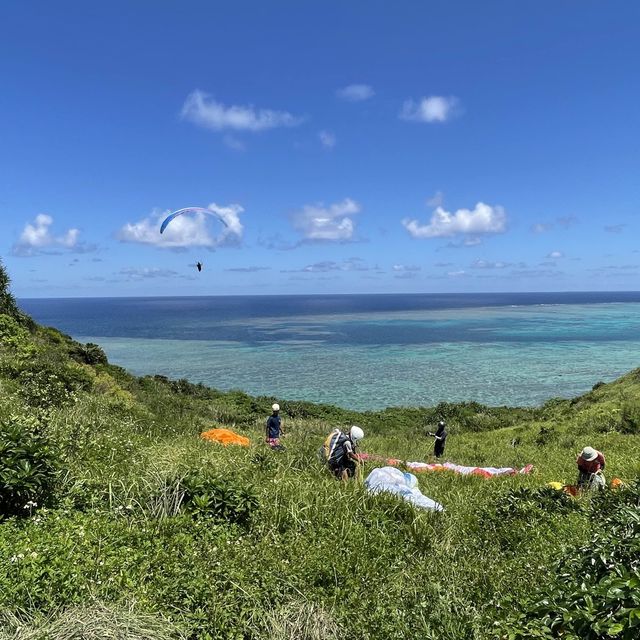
516,355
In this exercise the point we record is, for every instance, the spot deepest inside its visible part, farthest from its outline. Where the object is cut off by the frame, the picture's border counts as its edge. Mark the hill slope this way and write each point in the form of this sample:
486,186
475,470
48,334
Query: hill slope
140,522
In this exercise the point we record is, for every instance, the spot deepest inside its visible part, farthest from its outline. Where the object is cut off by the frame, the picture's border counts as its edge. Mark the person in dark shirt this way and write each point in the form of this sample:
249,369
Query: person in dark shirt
440,439
274,428
591,464
341,453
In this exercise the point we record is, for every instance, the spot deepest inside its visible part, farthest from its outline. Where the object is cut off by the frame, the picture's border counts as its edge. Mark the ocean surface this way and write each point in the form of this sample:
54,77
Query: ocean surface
367,351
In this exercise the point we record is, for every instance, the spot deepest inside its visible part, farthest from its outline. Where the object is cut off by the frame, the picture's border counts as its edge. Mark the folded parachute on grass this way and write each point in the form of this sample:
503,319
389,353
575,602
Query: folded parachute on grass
423,467
403,485
225,437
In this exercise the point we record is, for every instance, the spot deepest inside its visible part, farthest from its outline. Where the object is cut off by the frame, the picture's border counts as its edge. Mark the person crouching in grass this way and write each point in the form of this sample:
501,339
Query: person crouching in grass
341,456
591,465
274,428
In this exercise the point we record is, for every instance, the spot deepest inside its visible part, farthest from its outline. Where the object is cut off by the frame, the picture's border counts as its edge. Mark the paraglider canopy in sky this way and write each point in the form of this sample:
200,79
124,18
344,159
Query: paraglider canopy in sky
179,212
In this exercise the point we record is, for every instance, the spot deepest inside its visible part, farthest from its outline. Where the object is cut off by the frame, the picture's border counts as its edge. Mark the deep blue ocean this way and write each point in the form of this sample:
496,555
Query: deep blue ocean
367,351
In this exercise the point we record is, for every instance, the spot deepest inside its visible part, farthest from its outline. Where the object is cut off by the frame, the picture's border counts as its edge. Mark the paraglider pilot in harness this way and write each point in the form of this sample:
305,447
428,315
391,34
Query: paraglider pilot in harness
340,452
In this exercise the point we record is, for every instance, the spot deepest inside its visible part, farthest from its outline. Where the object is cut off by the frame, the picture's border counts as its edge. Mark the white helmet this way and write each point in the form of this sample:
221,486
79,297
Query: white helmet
275,406
356,433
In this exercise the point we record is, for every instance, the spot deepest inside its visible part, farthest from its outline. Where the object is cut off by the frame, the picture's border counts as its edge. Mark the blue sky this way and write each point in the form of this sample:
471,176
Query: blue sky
349,146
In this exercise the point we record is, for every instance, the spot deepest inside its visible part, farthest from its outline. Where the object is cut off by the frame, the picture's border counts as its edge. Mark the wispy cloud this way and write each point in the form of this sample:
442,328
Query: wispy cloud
188,230
327,139
406,267
614,228
541,227
430,109
567,221
356,92
36,238
437,200
405,271
149,273
333,223
536,273
201,109
482,220
234,143
488,264
326,266
247,269
465,243
555,255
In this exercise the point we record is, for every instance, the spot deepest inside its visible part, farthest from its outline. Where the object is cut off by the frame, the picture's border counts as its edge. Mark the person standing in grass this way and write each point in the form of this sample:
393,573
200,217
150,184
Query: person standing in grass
591,464
274,428
340,452
440,439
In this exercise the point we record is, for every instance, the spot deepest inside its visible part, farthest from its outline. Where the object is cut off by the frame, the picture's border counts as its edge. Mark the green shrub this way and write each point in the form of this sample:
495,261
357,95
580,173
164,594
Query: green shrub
27,469
218,498
630,417
545,436
47,385
89,353
525,503
7,301
596,593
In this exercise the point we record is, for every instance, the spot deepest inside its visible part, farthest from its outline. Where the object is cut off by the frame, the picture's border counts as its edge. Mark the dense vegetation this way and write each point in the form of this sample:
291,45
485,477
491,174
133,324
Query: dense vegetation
117,520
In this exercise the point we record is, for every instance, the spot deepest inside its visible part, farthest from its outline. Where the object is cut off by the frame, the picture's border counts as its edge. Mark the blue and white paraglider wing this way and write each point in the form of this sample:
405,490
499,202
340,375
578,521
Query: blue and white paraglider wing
179,212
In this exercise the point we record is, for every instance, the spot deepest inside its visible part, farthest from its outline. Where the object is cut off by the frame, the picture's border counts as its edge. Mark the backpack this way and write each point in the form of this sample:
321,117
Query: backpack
332,444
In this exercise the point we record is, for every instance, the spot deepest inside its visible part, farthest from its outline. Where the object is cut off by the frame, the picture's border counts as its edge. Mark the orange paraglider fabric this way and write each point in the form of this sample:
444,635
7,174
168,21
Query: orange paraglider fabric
225,437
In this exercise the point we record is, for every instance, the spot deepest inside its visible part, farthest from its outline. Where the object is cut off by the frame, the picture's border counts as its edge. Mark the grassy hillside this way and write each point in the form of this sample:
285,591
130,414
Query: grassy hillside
115,517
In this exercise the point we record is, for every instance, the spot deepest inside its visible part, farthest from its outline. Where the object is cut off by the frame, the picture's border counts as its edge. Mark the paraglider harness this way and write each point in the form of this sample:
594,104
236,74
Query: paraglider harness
335,456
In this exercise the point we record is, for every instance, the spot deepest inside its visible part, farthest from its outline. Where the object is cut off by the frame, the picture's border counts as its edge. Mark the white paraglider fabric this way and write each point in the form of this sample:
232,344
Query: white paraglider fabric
403,485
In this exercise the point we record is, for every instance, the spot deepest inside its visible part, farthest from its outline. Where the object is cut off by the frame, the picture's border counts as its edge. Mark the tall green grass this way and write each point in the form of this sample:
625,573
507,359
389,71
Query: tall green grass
310,557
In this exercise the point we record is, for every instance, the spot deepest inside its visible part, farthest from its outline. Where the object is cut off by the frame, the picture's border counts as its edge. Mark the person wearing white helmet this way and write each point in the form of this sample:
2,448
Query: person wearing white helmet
591,464
340,452
440,439
274,428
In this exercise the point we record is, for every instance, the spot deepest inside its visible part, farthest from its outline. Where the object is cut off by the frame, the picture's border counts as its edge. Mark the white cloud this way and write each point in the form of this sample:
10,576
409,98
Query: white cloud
457,274
36,237
483,219
205,111
356,92
332,223
431,109
188,230
555,255
327,139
